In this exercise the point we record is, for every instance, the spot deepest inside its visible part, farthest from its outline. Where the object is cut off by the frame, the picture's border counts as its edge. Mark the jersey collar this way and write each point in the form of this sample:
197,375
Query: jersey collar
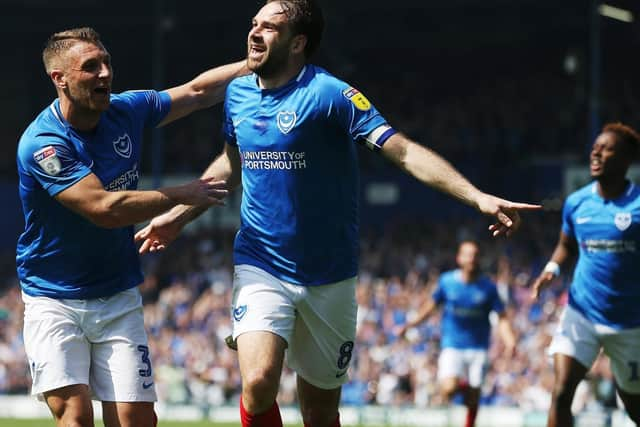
291,83
55,110
631,186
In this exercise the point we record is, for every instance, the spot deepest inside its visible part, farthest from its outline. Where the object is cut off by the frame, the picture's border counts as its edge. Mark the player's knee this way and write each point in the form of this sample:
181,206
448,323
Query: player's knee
260,388
448,389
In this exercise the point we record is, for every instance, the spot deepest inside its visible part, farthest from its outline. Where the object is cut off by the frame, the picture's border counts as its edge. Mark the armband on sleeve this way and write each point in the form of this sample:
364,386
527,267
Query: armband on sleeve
376,139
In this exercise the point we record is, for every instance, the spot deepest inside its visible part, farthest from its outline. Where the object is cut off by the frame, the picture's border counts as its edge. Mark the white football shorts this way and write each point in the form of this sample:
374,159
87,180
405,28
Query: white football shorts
99,342
469,364
317,322
581,339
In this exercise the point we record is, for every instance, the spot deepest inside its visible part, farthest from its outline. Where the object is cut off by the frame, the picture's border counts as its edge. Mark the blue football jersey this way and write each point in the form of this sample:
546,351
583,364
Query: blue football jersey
606,279
299,212
61,254
465,310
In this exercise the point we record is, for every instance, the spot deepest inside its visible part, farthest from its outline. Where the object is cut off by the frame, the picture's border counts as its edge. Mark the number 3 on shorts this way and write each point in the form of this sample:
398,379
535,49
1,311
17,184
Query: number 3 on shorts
145,359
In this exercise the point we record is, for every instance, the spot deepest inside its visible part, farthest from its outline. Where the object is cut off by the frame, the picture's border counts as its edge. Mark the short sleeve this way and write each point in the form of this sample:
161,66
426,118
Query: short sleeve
355,114
149,106
438,294
52,162
228,130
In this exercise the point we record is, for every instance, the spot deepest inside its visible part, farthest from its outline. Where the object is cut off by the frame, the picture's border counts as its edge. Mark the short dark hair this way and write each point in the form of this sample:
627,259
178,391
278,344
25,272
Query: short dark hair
61,42
305,17
626,134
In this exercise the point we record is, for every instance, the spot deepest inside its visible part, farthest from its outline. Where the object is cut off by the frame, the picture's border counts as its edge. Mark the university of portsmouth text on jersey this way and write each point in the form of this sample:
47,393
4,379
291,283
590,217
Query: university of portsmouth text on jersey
283,160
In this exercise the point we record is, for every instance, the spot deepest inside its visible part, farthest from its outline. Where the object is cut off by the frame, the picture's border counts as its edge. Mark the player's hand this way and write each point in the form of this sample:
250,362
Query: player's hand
506,213
161,231
541,282
200,192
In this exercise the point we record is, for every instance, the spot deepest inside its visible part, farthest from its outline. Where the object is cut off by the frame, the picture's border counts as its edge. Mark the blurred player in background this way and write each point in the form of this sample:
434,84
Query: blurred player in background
78,165
601,224
290,130
467,298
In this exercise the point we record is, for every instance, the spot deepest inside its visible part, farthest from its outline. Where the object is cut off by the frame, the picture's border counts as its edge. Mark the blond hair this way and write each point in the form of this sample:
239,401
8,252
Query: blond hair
61,42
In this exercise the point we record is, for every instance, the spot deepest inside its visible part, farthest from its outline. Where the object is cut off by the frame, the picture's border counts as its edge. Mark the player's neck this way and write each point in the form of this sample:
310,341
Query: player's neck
611,189
78,118
468,276
281,78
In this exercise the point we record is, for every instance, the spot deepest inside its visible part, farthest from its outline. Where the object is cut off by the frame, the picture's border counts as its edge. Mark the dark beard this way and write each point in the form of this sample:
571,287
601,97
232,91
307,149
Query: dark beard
274,64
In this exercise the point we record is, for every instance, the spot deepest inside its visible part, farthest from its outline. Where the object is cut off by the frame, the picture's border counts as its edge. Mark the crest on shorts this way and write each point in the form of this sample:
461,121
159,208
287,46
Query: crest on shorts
622,220
48,160
286,120
122,146
239,312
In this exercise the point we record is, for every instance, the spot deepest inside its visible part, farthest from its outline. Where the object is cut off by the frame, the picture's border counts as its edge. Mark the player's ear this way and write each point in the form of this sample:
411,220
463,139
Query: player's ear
299,43
58,78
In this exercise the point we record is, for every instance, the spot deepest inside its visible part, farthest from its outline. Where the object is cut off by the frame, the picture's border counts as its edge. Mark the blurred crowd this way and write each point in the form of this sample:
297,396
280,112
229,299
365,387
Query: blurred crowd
187,297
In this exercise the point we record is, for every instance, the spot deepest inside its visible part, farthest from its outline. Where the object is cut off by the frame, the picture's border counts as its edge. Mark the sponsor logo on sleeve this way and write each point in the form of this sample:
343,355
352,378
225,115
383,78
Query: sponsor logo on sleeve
286,120
622,220
357,98
48,160
122,146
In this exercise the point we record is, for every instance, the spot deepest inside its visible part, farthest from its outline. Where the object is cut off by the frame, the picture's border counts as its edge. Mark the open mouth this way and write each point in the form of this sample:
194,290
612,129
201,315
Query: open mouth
102,90
256,50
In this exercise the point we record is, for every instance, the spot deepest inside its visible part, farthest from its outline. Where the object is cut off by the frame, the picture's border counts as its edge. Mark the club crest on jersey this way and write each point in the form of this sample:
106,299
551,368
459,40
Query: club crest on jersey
357,98
622,220
239,312
286,120
48,160
123,146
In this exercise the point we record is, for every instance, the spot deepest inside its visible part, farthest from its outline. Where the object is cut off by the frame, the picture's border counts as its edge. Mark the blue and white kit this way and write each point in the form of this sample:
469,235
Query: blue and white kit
53,256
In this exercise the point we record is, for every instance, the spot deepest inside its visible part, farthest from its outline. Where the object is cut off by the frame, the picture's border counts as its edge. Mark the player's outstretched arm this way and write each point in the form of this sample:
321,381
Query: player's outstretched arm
165,228
434,171
565,248
113,209
205,90
425,311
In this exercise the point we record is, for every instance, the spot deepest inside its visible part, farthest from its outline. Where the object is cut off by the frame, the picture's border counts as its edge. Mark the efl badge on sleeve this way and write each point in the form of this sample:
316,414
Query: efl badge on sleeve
357,98
622,220
48,160
122,146
286,120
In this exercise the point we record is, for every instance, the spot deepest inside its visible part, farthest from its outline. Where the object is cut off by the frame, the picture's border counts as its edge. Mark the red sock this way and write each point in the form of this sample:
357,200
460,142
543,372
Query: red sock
336,423
471,416
270,418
